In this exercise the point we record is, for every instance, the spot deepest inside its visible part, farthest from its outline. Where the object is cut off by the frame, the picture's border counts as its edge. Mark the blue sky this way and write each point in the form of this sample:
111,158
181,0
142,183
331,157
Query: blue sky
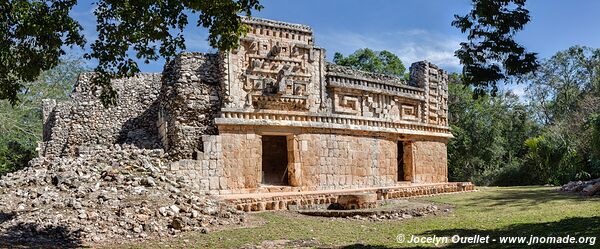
412,29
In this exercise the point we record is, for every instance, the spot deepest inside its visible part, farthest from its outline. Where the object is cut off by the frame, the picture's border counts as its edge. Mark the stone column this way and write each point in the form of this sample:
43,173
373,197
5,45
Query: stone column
409,161
294,161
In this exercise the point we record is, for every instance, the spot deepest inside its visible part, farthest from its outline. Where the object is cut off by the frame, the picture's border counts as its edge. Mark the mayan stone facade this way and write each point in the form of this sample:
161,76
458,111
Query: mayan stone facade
271,114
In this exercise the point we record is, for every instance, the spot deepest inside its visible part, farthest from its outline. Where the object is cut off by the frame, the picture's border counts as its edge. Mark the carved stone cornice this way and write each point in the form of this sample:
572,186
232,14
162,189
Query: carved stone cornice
328,121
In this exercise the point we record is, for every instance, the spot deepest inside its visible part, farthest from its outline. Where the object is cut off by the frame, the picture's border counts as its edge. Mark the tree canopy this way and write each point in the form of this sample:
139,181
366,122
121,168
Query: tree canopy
563,81
491,54
489,136
565,97
34,34
553,137
32,37
372,61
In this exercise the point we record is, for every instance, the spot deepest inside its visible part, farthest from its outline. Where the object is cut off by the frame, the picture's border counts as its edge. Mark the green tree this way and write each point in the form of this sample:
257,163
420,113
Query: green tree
33,34
489,134
593,124
564,95
491,54
21,124
561,82
552,158
32,37
372,61
14,156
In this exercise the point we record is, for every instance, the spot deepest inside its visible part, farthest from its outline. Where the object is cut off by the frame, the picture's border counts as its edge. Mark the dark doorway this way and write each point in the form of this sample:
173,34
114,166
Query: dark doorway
274,160
400,161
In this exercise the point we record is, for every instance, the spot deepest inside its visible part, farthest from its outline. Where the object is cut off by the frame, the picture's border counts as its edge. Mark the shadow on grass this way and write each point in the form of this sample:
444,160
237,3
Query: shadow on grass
31,235
572,227
524,199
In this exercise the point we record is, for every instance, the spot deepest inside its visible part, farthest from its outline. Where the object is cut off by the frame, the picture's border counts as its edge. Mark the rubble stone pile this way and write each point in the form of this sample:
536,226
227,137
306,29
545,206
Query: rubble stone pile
386,210
588,188
106,193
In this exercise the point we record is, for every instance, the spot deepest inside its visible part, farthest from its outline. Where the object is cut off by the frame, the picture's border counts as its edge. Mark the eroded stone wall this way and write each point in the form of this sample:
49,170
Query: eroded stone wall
434,81
232,162
372,95
277,66
190,100
241,156
84,121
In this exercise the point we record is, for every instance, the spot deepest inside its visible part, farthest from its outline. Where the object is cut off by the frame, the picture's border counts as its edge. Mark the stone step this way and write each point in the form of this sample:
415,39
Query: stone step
298,200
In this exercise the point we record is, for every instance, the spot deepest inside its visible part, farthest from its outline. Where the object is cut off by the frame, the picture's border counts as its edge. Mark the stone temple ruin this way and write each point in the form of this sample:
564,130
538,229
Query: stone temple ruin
271,117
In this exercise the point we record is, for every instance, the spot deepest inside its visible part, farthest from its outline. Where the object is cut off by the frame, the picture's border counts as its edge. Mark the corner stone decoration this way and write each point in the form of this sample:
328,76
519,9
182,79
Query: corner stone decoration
272,115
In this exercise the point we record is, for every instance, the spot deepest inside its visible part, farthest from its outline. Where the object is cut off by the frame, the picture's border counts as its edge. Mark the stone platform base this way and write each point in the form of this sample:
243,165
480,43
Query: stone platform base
304,199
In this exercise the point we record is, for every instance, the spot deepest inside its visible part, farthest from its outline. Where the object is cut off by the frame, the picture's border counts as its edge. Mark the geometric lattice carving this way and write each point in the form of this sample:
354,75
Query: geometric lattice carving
347,104
409,112
275,66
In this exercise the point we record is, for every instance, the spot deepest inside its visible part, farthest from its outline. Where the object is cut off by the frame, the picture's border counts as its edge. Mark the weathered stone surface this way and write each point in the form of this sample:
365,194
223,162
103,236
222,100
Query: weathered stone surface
115,193
592,189
305,200
189,102
357,201
74,127
383,210
428,160
588,188
207,114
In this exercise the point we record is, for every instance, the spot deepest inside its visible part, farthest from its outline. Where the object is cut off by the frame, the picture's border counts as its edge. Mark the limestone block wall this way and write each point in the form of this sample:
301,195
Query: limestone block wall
334,161
429,160
55,134
190,100
242,158
205,172
230,163
84,121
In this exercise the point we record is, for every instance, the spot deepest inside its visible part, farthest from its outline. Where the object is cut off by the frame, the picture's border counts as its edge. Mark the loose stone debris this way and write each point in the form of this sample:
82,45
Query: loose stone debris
587,188
385,210
118,192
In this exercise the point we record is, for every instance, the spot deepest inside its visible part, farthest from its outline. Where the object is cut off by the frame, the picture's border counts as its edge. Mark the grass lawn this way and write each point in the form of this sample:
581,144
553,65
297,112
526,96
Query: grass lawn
514,211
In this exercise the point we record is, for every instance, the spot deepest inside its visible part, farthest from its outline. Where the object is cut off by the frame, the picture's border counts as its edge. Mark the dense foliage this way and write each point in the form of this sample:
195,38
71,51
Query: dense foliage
491,53
21,124
154,29
551,137
34,33
489,135
368,60
565,98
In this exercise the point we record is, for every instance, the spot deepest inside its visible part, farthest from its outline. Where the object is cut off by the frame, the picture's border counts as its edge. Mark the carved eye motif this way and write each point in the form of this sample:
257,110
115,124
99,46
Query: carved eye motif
256,63
275,50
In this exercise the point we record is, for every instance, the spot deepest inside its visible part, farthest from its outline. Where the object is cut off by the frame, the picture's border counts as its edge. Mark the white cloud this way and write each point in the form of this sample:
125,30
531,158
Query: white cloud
410,45
197,41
